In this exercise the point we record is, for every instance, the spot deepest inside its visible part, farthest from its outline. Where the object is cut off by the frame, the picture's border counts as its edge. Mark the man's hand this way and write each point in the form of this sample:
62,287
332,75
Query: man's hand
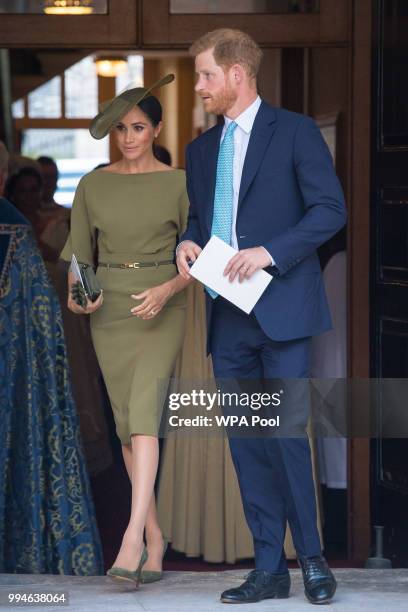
187,251
246,262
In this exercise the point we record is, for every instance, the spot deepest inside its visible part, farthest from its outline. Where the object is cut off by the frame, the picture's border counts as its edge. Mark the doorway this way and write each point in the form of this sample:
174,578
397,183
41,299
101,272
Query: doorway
310,55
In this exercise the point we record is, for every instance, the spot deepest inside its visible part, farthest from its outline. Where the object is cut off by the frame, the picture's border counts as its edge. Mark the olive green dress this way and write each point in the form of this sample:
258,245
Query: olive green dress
128,218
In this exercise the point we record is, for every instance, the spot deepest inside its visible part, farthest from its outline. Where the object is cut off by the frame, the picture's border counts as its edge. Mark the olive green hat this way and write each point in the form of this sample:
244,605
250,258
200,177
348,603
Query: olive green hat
113,110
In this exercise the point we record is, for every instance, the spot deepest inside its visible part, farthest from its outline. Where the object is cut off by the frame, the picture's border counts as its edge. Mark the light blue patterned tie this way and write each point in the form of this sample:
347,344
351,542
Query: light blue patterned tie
224,191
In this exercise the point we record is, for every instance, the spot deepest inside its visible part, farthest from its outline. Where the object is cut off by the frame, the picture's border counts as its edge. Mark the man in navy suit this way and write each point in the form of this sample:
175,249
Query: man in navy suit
266,178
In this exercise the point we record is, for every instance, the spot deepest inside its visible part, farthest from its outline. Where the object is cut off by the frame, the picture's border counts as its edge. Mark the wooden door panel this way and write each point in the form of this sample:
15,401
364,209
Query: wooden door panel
329,26
392,220
389,277
118,28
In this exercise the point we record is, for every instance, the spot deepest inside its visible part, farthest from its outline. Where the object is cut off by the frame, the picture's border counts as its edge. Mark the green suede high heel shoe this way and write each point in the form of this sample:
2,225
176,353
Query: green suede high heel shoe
120,574
148,576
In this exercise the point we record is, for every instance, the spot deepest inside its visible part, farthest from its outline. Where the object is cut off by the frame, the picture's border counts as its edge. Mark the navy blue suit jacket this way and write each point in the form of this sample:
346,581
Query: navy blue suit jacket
290,202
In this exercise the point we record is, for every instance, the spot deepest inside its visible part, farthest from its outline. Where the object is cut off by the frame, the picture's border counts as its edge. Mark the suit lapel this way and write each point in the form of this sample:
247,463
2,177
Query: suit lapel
209,152
261,134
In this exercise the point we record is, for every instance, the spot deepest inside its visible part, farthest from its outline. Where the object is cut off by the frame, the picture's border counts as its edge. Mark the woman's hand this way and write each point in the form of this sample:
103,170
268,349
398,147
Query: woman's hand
153,301
90,306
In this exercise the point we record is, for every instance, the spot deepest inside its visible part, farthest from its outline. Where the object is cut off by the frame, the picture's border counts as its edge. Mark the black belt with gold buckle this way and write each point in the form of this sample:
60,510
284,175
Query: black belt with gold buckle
136,264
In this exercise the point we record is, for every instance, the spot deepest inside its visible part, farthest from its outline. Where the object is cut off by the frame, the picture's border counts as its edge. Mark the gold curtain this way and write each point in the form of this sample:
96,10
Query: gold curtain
199,503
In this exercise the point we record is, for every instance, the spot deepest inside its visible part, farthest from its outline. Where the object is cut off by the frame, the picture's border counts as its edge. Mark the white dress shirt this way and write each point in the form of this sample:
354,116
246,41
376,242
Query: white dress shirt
242,133
244,121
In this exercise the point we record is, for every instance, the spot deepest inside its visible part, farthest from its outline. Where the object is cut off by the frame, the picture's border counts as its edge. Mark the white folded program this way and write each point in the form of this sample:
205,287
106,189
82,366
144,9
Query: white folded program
209,269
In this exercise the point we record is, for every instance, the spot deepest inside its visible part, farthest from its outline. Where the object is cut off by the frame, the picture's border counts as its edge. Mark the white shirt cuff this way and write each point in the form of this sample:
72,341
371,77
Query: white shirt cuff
272,259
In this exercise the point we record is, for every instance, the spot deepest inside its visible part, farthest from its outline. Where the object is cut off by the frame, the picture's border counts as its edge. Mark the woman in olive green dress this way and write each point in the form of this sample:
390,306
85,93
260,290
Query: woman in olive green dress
131,213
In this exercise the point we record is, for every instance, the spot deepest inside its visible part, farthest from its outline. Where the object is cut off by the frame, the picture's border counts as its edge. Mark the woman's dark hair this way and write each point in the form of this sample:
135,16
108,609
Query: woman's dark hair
152,108
22,173
162,154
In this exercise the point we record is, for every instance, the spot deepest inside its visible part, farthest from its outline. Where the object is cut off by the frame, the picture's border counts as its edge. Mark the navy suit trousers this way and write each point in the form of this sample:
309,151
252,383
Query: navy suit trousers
274,472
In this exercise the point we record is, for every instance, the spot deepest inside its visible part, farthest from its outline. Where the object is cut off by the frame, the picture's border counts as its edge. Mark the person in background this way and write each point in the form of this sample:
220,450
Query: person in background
56,218
24,190
47,522
49,172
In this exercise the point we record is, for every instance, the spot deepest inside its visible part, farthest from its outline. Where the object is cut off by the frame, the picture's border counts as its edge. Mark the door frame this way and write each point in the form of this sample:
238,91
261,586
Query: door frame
346,24
359,528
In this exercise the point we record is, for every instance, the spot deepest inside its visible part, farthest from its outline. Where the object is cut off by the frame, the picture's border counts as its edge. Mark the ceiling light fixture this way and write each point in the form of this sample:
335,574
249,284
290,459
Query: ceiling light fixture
68,7
110,66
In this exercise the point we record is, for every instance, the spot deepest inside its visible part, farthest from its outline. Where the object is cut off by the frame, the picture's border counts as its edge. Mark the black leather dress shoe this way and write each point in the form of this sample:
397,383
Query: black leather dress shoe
320,584
259,585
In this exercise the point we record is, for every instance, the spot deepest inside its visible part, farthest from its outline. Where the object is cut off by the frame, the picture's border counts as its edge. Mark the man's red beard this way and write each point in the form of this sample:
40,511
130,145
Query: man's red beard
220,103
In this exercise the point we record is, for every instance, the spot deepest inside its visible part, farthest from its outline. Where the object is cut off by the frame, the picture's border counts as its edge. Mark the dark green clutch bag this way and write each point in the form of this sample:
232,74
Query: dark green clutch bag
90,287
